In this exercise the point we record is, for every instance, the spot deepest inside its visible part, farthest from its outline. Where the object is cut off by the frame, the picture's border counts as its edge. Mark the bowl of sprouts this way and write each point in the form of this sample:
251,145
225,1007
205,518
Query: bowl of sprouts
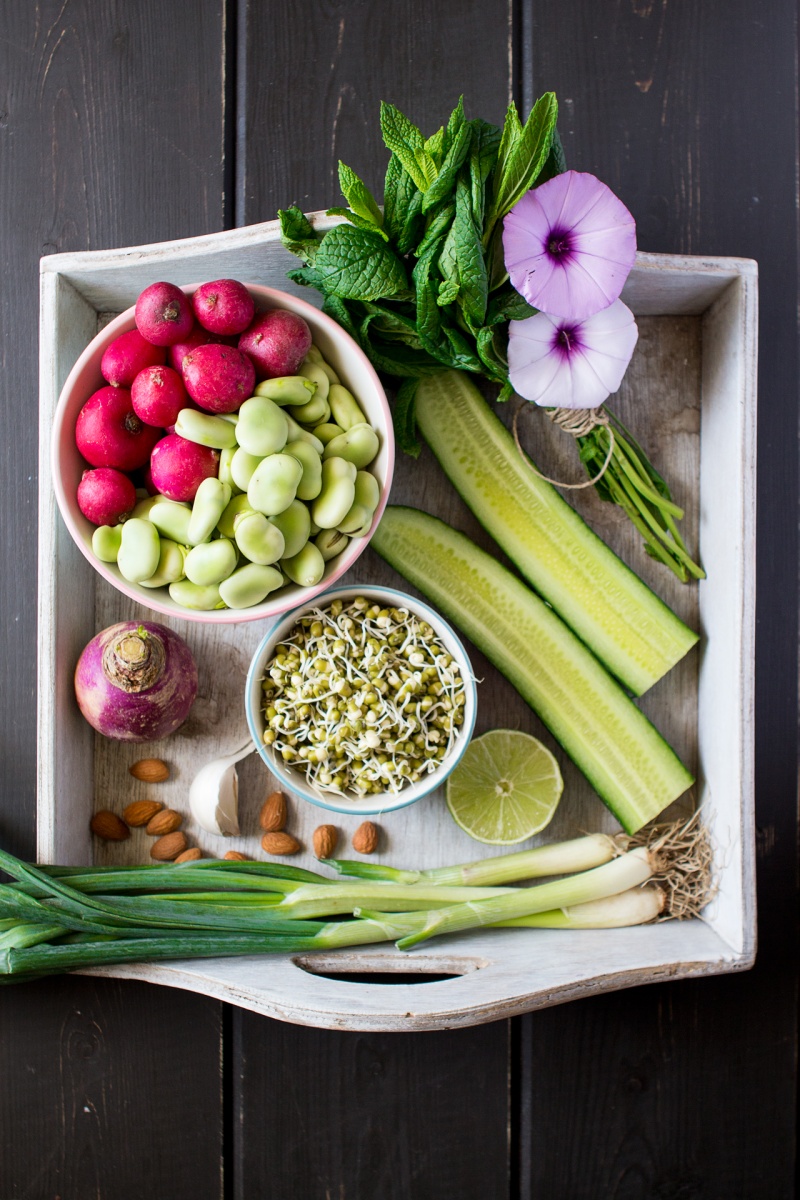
362,700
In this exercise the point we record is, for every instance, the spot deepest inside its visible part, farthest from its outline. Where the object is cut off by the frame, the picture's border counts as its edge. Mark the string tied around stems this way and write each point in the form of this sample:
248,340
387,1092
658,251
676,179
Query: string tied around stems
580,422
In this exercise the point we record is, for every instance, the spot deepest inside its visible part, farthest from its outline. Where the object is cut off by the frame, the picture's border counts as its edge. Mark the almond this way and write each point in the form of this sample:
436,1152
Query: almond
236,856
191,855
108,826
169,847
166,821
272,817
141,811
325,839
150,770
365,838
280,843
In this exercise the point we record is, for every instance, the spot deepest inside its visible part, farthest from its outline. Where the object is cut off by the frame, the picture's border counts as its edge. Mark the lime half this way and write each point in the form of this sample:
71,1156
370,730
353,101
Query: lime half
505,788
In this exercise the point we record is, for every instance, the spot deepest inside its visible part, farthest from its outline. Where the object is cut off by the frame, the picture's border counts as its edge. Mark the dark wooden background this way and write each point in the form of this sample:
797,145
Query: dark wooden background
135,121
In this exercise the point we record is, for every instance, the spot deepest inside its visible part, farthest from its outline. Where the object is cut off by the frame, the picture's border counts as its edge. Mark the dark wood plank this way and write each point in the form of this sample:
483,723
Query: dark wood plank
365,1115
111,129
688,112
341,1114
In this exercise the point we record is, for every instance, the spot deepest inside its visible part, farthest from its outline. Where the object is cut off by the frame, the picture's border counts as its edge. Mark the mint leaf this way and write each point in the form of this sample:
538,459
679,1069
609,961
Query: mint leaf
448,291
358,196
521,160
391,324
338,310
307,276
357,264
556,163
491,353
412,224
508,305
461,355
455,121
435,145
506,392
404,139
428,315
440,222
482,158
404,420
469,257
297,233
357,220
443,185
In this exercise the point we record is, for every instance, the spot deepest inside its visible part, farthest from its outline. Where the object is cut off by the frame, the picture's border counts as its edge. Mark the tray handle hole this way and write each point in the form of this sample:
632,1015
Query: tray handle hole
386,969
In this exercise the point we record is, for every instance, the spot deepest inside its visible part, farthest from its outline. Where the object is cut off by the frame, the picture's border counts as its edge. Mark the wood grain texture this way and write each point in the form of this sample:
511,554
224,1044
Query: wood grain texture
103,142
327,1115
659,100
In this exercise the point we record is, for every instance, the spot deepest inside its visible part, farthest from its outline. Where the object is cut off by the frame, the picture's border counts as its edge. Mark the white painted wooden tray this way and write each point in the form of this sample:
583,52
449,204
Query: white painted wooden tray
690,396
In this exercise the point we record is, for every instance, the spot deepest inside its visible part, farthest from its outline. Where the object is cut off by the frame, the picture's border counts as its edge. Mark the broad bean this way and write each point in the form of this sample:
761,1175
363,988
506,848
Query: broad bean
205,429
257,538
171,518
262,428
287,389
243,464
106,541
359,444
211,562
327,432
210,502
249,585
298,434
344,406
192,595
143,506
315,356
233,508
305,568
295,525
224,473
311,480
139,551
338,492
367,495
319,377
330,543
273,485
170,565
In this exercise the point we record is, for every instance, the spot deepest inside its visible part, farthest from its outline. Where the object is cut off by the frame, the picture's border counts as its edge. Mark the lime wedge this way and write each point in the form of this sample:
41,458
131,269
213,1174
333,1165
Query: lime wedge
506,787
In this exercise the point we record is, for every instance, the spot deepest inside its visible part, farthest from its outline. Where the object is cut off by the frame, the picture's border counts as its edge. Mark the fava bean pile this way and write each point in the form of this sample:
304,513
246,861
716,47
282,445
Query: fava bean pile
362,699
291,490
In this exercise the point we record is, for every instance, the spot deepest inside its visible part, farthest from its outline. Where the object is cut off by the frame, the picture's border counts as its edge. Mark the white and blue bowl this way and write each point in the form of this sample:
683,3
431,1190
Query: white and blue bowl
294,781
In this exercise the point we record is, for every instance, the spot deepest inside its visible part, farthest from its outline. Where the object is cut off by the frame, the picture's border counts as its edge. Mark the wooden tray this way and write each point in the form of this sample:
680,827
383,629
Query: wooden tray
690,396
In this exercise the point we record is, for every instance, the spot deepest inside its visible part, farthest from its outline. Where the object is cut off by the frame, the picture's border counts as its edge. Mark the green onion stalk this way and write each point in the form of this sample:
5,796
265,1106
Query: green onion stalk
601,882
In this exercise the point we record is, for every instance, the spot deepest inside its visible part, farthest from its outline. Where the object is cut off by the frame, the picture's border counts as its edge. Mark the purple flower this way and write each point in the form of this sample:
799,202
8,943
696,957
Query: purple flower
569,245
561,363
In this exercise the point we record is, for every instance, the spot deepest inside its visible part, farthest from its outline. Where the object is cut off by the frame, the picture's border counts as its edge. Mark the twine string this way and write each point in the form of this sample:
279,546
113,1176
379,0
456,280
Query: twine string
579,422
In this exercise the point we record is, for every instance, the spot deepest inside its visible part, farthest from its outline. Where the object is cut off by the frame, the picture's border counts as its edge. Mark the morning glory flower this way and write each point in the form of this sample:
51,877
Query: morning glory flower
561,363
569,245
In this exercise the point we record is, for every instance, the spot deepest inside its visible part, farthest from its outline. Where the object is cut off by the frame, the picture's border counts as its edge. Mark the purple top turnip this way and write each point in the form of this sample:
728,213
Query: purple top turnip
127,355
223,306
108,432
277,342
136,681
164,314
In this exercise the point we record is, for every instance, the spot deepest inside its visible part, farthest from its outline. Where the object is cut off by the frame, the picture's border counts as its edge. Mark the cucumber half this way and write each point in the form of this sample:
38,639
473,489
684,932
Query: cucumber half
620,752
628,627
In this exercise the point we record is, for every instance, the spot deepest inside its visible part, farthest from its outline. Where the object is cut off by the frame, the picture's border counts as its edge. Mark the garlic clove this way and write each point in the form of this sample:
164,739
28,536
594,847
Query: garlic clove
214,798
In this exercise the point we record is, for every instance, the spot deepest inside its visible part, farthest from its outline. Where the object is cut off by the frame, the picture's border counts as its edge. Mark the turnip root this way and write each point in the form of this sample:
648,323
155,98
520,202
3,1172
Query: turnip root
136,681
277,342
108,432
164,314
127,355
224,306
158,395
218,378
178,467
105,495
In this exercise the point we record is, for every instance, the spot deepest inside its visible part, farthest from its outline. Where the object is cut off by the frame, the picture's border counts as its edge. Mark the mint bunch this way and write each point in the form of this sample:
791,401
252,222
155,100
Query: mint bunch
420,282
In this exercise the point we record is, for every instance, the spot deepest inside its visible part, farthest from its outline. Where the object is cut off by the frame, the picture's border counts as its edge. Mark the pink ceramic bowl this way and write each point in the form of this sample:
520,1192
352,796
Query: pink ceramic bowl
67,465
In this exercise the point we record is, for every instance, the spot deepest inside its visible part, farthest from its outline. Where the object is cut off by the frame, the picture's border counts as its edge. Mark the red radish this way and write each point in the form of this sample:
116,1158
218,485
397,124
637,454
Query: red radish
108,432
127,355
105,495
158,395
224,306
198,337
277,342
163,314
136,681
178,466
218,378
